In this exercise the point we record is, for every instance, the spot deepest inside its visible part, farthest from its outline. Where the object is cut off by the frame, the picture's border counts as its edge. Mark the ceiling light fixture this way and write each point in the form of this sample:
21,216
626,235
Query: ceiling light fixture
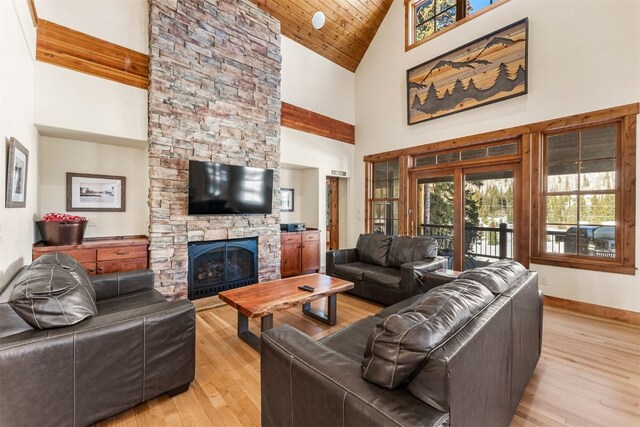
318,20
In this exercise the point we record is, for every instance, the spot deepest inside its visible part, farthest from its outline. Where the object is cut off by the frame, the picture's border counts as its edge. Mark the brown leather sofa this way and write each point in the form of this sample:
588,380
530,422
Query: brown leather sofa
137,347
386,269
459,355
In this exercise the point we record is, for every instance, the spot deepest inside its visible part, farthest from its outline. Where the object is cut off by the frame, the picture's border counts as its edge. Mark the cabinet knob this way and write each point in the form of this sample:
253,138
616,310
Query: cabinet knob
122,253
101,269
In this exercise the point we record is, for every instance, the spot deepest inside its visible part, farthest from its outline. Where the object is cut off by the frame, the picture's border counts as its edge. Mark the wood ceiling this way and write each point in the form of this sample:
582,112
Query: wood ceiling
349,28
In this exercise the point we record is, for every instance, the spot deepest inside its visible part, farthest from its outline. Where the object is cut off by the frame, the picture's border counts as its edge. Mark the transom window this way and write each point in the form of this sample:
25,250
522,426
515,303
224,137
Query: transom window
427,17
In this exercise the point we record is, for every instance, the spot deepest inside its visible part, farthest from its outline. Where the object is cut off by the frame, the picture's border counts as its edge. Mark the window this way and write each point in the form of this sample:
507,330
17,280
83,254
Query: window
580,192
571,201
427,17
385,197
584,198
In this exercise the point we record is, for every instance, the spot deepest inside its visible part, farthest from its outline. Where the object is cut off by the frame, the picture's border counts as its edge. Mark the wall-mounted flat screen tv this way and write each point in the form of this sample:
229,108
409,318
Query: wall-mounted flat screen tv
219,189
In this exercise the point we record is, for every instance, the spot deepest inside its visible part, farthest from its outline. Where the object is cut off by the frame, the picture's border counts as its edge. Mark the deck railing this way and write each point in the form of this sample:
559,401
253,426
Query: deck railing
488,242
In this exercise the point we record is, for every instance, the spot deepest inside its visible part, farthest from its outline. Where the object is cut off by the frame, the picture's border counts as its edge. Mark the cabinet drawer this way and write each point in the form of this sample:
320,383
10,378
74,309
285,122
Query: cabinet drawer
90,267
309,237
109,254
290,237
81,255
105,267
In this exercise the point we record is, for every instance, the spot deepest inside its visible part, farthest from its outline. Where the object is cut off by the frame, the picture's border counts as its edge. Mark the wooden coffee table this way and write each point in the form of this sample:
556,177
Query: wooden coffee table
263,299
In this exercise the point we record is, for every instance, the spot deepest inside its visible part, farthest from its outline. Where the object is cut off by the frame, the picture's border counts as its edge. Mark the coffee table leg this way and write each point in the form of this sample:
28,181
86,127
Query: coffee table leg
249,337
329,317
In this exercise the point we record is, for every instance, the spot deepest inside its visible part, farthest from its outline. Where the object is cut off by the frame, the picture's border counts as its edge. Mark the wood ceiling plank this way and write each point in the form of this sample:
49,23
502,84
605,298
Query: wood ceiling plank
341,36
295,32
349,28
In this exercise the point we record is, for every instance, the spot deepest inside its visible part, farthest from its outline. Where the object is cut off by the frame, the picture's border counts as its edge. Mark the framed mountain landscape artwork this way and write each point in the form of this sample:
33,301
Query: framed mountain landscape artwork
487,70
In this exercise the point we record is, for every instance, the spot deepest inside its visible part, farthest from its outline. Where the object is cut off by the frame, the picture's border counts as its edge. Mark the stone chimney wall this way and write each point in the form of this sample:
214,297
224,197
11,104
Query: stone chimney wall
214,95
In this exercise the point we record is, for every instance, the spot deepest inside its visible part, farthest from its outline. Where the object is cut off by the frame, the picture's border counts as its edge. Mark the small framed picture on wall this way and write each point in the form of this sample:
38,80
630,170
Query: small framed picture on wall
17,168
95,193
286,200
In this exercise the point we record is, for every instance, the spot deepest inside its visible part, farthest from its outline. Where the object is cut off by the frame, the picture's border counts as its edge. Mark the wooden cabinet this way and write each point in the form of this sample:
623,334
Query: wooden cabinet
299,253
104,255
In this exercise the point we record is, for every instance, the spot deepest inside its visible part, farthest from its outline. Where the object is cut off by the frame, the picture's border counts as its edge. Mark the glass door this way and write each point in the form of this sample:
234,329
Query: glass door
433,213
471,213
489,215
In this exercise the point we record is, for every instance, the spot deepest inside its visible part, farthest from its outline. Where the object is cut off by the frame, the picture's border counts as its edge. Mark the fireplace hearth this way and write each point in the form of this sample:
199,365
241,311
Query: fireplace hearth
219,265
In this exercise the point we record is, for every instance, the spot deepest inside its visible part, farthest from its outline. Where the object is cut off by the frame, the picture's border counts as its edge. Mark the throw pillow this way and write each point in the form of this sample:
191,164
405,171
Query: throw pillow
49,297
402,342
70,264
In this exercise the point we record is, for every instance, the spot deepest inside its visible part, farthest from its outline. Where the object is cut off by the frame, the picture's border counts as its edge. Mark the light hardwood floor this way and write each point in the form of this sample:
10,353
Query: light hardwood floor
588,375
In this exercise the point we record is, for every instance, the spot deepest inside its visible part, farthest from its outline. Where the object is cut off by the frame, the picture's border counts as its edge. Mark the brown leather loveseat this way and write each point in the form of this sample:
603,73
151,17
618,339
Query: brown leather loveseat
75,350
459,355
386,269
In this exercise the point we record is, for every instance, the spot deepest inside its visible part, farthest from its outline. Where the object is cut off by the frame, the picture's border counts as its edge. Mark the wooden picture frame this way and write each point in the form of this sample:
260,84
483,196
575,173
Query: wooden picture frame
487,70
96,193
286,200
17,173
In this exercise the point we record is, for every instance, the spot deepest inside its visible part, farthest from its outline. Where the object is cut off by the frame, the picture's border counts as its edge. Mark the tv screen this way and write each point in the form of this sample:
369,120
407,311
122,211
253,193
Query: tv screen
216,188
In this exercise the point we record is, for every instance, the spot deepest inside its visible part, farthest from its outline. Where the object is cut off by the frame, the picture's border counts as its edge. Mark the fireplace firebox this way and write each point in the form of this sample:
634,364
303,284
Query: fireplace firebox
219,265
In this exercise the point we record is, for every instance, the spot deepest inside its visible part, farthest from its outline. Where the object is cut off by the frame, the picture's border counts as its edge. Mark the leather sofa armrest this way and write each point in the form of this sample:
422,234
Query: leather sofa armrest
125,358
541,297
411,275
340,256
116,284
303,380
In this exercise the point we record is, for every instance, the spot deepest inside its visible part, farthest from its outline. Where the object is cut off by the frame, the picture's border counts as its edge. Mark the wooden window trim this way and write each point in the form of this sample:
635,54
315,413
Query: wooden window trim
403,163
530,136
624,262
409,23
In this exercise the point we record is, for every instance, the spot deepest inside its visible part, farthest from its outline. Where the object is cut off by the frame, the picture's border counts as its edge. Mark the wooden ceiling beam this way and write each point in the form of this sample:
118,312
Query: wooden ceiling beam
309,121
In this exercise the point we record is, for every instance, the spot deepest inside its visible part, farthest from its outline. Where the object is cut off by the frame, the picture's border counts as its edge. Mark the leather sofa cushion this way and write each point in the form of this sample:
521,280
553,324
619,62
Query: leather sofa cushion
129,301
409,248
383,276
395,308
372,248
497,277
49,296
351,271
402,342
350,341
69,264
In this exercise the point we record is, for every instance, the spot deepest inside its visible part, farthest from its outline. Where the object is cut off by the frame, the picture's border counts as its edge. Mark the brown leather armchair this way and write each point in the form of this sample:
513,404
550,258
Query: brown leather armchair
138,346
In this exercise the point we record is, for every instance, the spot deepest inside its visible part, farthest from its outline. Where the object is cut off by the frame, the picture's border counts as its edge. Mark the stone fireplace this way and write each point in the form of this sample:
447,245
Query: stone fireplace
214,95
221,265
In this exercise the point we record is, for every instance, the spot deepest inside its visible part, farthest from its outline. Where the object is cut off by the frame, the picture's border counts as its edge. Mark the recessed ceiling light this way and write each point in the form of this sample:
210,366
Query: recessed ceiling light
318,20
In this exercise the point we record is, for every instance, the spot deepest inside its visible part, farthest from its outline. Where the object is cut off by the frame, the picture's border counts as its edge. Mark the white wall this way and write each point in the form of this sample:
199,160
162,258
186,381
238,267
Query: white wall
89,109
74,101
123,22
16,120
580,60
59,156
67,99
290,178
323,155
313,82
